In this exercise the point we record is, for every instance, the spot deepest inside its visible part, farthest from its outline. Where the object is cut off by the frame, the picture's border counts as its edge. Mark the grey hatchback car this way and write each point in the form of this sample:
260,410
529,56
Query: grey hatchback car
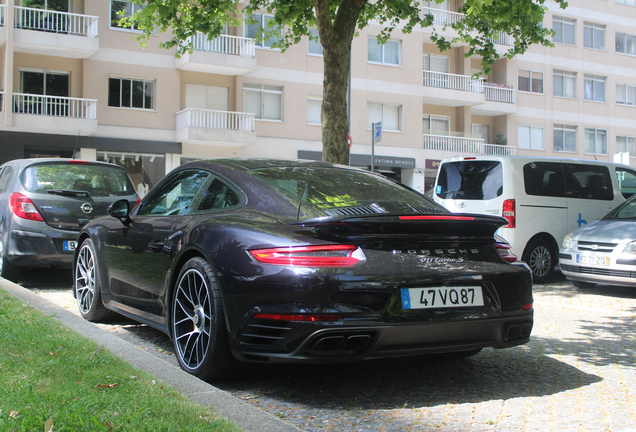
45,202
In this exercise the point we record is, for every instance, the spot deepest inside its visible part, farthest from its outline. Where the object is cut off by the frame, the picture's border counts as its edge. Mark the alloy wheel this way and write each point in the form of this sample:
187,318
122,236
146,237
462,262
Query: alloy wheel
192,319
85,279
540,261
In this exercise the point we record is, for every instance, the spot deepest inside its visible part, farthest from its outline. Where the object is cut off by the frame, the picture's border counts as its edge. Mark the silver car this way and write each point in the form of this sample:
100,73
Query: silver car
603,252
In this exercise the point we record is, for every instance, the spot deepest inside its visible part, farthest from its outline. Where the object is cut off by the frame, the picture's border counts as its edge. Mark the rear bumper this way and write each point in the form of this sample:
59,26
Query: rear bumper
337,343
27,248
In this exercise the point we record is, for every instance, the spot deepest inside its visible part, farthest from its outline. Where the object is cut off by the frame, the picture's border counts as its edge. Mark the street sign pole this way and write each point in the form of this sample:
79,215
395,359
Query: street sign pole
376,129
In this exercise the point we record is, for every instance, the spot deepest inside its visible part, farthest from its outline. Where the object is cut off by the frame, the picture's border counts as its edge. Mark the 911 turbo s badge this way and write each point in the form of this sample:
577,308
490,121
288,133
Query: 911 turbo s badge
86,208
453,255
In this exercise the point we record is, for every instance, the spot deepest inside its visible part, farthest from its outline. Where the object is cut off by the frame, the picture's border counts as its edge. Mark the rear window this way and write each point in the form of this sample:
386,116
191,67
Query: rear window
343,191
470,180
97,180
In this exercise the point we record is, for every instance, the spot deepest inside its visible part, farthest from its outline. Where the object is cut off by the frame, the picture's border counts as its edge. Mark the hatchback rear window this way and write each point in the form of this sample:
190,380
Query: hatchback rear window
96,180
343,191
470,180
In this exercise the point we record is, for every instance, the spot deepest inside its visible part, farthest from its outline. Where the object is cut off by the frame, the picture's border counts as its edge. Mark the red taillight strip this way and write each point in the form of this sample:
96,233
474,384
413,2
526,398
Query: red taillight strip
300,256
78,162
298,317
506,252
450,217
526,306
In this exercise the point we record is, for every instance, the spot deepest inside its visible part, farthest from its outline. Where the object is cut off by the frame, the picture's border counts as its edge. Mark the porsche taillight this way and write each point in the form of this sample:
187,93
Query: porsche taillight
311,256
505,252
508,212
23,207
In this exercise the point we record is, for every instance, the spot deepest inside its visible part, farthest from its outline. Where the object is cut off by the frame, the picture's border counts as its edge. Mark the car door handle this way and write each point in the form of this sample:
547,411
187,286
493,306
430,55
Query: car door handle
155,246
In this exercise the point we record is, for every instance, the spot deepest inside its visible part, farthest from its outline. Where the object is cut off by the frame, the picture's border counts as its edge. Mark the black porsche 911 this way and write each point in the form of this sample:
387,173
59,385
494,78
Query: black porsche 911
291,261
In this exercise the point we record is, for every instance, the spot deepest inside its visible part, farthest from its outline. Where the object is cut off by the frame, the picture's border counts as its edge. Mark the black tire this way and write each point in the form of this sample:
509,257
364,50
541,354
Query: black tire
583,285
541,256
7,270
197,324
87,285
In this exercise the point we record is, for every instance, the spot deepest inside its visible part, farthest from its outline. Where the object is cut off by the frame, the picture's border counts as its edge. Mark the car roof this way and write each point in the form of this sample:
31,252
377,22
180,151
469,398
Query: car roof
249,164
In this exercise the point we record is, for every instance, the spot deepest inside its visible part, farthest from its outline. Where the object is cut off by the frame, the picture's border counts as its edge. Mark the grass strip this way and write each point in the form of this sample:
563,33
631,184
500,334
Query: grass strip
55,380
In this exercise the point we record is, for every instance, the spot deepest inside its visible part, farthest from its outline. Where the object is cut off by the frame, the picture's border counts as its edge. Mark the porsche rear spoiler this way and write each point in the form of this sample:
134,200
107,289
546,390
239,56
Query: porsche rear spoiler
445,225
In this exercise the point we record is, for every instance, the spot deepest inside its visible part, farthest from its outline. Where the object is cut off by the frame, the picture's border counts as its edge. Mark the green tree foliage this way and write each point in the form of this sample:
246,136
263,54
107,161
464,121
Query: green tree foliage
337,22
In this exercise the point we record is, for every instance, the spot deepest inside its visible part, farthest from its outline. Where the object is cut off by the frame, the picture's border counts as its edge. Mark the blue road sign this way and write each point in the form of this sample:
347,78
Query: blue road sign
377,132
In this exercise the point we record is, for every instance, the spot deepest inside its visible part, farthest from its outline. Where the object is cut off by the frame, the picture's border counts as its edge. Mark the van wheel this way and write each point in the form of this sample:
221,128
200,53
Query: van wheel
541,258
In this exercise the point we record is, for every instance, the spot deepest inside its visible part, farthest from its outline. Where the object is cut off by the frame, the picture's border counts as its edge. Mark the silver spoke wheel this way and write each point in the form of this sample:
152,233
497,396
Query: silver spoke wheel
85,279
192,318
540,261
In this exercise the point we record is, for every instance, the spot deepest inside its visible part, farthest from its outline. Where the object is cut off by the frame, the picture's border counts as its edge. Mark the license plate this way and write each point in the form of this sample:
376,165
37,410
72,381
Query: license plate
591,259
69,245
441,297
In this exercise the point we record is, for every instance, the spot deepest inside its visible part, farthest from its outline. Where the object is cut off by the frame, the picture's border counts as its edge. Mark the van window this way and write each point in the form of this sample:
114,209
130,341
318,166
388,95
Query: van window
544,179
588,182
470,180
626,181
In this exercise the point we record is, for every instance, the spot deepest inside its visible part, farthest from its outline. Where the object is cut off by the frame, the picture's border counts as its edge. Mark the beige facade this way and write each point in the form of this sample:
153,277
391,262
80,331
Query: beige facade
74,83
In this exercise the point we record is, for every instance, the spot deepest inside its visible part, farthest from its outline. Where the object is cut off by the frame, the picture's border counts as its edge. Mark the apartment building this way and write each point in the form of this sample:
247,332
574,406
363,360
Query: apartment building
74,83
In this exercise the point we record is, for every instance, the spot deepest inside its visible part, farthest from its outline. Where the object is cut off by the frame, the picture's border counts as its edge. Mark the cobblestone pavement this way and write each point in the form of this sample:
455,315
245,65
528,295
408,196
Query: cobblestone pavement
578,373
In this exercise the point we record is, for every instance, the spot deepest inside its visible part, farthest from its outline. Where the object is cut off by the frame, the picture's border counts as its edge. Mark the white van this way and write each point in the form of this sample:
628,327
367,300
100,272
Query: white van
543,199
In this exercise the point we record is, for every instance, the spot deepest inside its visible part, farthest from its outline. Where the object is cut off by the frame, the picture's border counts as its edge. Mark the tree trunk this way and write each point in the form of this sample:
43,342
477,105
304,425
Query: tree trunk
335,122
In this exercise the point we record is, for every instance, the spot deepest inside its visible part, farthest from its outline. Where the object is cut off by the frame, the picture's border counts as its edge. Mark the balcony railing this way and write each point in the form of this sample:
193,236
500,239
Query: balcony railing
442,16
54,106
452,81
503,39
496,93
211,119
3,11
55,22
465,145
225,44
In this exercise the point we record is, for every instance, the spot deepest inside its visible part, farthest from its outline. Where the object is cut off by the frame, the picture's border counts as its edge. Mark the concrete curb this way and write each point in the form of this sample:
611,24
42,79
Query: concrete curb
247,417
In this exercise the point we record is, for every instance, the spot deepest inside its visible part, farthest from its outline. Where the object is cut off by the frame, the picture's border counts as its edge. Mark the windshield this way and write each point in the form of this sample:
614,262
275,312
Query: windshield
627,210
470,180
343,191
96,180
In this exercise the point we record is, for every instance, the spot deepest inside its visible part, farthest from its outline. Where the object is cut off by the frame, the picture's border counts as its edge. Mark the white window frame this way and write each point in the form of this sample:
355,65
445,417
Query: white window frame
262,43
134,7
445,59
624,94
564,23
384,105
629,143
592,29
564,130
432,117
318,50
563,76
131,79
531,80
596,132
532,130
44,73
382,45
625,37
263,90
474,126
315,99
594,81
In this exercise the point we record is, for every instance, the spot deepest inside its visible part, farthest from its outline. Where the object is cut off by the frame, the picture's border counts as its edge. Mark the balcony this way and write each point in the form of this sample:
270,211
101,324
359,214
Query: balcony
216,128
440,16
500,99
452,90
224,55
55,114
61,34
458,144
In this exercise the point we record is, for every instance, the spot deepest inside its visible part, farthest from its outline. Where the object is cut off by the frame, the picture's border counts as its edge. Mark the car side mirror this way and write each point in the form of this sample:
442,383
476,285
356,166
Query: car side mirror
121,210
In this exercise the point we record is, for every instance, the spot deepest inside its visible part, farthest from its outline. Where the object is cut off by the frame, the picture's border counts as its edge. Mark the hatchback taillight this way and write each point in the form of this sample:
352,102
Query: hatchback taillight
311,256
23,207
508,211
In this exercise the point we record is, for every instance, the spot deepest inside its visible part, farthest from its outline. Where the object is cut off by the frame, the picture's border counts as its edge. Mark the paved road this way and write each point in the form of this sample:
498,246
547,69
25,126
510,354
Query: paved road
578,373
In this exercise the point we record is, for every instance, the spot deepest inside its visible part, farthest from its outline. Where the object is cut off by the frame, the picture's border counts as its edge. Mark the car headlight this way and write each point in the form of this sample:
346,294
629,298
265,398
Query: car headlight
630,248
567,242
